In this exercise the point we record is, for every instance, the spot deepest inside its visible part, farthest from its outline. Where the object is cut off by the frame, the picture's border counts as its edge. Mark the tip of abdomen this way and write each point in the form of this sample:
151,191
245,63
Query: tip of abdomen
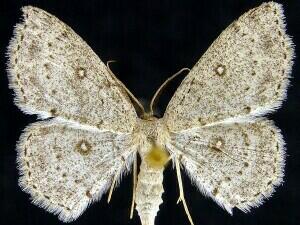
147,219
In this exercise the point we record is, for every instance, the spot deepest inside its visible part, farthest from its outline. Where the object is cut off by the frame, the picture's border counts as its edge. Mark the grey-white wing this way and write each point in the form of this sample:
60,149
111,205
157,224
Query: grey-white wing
64,168
237,165
54,73
244,73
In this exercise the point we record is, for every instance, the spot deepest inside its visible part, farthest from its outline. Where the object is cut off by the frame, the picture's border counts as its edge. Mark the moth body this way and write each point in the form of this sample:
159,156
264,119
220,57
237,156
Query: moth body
153,159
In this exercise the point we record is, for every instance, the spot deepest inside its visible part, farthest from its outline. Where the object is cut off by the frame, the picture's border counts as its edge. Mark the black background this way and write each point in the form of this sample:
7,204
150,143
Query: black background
150,40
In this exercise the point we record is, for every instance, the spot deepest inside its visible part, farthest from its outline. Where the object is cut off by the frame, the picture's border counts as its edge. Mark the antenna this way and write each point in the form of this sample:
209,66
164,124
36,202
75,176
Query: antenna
154,98
128,92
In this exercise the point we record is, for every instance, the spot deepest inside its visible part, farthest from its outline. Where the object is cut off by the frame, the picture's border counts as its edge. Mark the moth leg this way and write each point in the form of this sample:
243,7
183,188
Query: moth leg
181,193
117,174
134,185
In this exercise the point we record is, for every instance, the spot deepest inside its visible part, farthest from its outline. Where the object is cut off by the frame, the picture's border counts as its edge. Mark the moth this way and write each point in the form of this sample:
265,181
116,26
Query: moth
213,127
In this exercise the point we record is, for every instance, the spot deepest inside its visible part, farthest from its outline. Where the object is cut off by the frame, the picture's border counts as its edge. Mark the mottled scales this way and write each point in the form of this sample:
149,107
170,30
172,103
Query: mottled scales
212,127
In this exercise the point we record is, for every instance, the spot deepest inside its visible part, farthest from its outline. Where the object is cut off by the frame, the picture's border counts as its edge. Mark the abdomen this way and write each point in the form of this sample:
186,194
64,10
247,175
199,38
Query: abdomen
148,192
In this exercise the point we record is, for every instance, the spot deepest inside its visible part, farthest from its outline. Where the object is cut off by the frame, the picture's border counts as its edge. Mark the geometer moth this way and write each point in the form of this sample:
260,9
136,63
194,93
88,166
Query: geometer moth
212,128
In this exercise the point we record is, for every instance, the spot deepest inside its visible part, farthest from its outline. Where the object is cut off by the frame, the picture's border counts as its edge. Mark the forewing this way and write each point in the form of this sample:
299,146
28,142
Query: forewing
64,168
237,165
243,73
55,73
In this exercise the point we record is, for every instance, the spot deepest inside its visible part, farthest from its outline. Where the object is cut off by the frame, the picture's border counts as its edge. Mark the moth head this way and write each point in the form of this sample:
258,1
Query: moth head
148,116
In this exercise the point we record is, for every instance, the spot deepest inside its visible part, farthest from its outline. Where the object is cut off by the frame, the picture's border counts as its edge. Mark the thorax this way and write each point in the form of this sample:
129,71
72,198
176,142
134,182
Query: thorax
151,136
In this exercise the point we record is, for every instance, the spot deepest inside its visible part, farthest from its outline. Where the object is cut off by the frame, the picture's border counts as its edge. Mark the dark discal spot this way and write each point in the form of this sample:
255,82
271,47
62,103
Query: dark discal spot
88,194
243,201
247,109
247,88
279,33
80,72
49,44
47,76
252,40
284,55
283,72
217,143
83,147
27,163
220,70
54,92
25,151
16,60
35,187
53,112
18,47
215,191
253,73
277,21
18,75
257,194
240,172
246,164
227,178
255,61
29,173
64,174
67,208
22,37
201,121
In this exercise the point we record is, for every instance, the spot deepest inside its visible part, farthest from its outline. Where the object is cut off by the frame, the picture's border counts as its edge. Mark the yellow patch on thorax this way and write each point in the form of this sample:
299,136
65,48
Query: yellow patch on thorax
157,157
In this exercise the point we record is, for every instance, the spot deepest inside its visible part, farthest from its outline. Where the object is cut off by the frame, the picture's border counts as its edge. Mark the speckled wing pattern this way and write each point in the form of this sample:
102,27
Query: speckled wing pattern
230,153
55,73
236,164
244,73
69,161
64,168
